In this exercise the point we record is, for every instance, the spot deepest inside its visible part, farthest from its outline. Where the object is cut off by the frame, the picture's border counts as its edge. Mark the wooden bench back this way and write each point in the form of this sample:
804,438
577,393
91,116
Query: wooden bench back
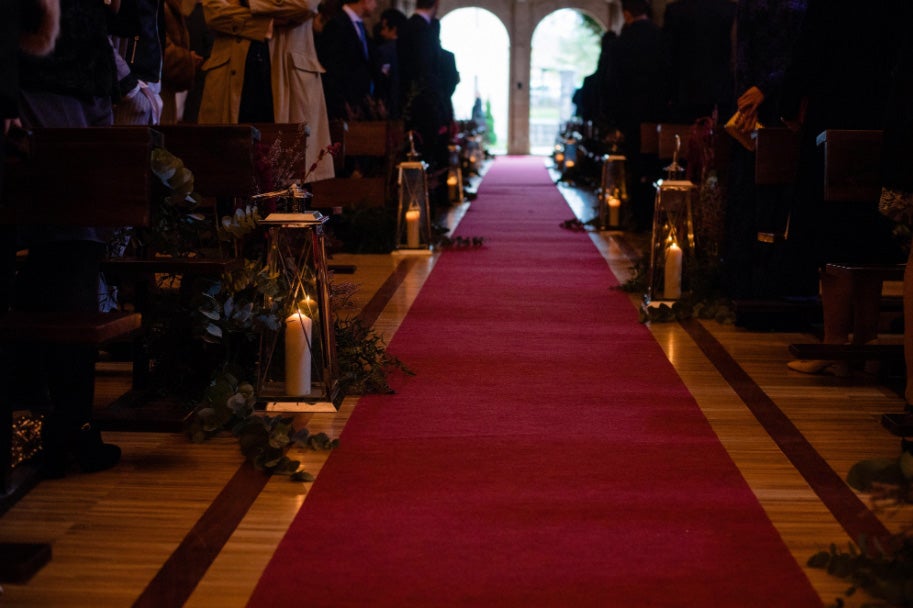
377,139
649,138
852,165
666,133
221,157
98,176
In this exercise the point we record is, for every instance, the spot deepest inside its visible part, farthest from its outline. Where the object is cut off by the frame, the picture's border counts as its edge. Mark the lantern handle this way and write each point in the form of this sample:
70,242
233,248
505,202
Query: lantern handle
293,191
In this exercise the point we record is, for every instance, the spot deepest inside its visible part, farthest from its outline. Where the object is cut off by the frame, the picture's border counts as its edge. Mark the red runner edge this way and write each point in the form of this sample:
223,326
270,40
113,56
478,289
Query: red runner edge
545,453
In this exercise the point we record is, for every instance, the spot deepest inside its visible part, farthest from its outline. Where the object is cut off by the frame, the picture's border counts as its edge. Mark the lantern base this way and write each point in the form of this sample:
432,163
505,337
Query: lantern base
415,251
320,407
271,397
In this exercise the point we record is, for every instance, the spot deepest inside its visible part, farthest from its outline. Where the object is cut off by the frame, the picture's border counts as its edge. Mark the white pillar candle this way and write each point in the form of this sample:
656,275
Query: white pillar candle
412,219
672,285
298,354
614,209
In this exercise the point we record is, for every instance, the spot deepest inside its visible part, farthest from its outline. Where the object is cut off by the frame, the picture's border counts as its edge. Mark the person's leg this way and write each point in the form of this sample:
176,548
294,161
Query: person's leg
908,327
63,276
837,308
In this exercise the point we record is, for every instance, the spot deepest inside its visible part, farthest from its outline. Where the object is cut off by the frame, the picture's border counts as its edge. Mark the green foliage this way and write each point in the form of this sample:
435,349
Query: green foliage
884,572
881,567
264,440
490,136
364,363
177,228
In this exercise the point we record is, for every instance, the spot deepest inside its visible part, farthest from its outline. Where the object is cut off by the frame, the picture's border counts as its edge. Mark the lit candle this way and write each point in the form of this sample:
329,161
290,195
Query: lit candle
614,208
298,354
672,288
412,218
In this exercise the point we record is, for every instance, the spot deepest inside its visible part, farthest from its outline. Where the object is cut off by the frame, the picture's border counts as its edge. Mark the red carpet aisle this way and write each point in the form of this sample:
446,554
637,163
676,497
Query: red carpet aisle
545,455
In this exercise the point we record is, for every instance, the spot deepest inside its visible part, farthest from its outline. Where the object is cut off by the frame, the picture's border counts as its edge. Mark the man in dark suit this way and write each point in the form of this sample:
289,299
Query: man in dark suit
698,38
347,54
426,107
637,91
387,87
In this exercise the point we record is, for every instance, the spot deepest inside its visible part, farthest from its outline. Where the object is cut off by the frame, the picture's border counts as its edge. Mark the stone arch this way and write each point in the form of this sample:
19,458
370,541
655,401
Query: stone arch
483,62
520,18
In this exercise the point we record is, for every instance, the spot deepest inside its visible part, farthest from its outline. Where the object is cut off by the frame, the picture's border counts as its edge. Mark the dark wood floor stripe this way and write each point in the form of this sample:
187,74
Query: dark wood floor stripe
852,514
371,311
843,503
185,568
181,574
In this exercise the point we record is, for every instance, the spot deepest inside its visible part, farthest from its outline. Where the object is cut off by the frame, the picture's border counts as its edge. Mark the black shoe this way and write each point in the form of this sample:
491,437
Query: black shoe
898,424
92,454
83,447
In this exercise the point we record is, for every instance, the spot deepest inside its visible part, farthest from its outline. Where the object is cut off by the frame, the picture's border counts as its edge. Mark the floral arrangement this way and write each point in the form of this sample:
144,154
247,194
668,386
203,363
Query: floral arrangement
881,567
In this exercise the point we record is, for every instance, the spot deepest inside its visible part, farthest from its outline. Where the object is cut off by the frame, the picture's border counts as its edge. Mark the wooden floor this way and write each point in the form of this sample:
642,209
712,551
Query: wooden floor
178,523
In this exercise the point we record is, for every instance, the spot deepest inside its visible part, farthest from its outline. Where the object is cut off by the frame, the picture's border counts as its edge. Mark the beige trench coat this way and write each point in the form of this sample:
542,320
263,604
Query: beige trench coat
295,70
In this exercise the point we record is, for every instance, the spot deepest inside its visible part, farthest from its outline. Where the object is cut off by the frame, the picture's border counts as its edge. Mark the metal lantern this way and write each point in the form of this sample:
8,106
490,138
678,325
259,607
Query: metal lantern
297,368
672,241
613,191
570,153
413,215
454,175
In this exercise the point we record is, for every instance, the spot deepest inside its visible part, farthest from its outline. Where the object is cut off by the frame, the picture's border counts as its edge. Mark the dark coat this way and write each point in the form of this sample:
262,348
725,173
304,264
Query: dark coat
82,64
698,39
637,81
349,77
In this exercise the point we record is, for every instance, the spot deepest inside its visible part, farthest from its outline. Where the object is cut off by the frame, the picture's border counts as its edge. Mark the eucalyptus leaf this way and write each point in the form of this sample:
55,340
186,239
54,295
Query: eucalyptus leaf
302,476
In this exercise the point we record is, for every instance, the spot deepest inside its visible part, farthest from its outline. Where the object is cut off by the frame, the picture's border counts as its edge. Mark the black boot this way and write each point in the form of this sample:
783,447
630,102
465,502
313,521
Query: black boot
55,460
66,444
91,453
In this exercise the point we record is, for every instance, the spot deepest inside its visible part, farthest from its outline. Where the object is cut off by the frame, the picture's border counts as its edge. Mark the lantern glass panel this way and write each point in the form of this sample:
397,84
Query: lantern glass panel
413,218
613,191
672,241
297,368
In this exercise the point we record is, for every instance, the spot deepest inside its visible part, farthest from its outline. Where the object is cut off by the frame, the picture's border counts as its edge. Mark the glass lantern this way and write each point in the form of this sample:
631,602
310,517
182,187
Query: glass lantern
454,175
413,217
672,240
613,191
297,368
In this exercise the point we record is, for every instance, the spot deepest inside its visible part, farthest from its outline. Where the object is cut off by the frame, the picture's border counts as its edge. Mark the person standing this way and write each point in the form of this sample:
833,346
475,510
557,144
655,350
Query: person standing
636,92
264,68
138,36
766,31
347,53
424,109
71,87
839,77
387,70
698,39
181,64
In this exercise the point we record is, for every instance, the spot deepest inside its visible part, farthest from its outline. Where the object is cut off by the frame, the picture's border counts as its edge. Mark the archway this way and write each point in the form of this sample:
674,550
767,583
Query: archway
565,49
481,44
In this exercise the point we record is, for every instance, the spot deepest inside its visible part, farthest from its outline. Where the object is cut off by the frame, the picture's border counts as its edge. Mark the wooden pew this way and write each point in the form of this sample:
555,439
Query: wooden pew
665,140
852,161
377,142
221,157
852,165
222,160
80,178
649,138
